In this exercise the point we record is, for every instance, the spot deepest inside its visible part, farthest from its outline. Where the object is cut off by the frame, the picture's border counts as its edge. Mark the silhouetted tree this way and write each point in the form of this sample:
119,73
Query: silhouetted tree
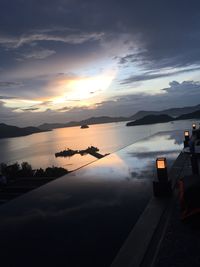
3,167
55,171
26,170
10,171
39,173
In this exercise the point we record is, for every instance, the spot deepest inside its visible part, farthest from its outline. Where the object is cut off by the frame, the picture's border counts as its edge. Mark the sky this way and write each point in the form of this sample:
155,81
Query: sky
70,60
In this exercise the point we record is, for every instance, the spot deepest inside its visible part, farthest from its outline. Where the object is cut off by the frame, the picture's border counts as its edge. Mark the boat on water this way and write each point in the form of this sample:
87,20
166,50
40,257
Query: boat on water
84,126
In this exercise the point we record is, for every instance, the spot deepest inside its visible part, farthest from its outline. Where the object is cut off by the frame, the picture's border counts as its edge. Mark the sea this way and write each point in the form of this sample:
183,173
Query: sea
39,149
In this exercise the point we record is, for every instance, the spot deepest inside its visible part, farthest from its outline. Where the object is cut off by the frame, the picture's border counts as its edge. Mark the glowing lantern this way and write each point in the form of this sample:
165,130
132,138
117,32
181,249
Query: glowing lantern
187,135
162,187
194,126
161,166
161,163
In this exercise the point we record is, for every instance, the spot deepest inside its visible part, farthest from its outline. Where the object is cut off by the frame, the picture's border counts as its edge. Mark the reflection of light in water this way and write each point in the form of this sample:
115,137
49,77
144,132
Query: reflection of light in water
116,167
157,142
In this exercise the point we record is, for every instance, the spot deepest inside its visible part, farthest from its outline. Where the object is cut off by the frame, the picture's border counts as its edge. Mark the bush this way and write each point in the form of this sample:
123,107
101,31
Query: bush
55,171
26,170
12,172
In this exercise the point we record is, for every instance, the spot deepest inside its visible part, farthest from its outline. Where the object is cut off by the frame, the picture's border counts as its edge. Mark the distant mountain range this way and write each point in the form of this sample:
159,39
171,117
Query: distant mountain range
151,119
173,112
13,131
192,115
90,121
156,117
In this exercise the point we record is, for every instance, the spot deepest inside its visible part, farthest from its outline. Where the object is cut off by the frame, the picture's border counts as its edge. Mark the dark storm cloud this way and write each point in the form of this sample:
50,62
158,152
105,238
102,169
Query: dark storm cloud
168,31
48,34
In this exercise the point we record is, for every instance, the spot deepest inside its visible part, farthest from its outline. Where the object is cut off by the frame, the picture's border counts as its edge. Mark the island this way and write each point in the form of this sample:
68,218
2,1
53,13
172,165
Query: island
84,126
14,131
151,119
90,150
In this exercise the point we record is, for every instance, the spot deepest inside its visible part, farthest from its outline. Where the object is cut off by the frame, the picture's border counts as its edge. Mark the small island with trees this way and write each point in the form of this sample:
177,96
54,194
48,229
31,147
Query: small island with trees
90,150
84,126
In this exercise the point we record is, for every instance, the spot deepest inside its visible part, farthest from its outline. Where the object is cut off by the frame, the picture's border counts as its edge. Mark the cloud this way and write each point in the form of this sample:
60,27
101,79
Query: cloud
38,53
185,89
154,40
7,97
64,109
157,27
29,109
167,32
70,38
8,115
178,94
10,84
186,93
151,75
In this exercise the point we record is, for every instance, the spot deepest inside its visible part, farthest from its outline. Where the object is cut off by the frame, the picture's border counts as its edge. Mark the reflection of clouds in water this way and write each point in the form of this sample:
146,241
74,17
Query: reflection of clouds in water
177,136
145,152
56,198
52,213
146,174
153,155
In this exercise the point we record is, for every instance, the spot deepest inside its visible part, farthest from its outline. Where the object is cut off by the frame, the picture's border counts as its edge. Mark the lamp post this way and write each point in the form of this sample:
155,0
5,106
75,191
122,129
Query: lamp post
161,166
162,187
187,135
194,126
187,138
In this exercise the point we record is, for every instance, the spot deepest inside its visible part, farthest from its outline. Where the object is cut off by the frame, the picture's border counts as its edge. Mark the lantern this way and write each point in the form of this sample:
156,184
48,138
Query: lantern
187,135
161,166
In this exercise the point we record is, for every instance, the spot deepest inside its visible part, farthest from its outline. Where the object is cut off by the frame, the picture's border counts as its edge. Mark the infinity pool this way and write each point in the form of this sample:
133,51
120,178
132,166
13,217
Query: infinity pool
83,218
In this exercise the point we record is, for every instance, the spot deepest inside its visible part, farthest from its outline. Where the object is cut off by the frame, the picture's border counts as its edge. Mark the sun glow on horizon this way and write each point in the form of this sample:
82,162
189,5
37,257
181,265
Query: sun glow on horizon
82,89
71,92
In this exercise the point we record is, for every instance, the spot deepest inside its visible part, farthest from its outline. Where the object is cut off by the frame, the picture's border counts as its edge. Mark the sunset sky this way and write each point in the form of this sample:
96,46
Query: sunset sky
72,59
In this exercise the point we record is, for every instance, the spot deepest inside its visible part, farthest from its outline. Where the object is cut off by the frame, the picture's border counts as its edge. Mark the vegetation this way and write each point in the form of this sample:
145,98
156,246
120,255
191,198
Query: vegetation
16,170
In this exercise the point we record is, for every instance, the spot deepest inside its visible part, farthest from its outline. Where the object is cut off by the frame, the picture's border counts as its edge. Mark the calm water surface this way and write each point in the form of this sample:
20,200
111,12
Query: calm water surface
39,149
83,218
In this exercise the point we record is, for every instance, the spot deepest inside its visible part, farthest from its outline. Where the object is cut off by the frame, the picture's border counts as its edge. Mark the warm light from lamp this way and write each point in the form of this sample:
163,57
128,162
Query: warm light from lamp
194,126
161,163
186,133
